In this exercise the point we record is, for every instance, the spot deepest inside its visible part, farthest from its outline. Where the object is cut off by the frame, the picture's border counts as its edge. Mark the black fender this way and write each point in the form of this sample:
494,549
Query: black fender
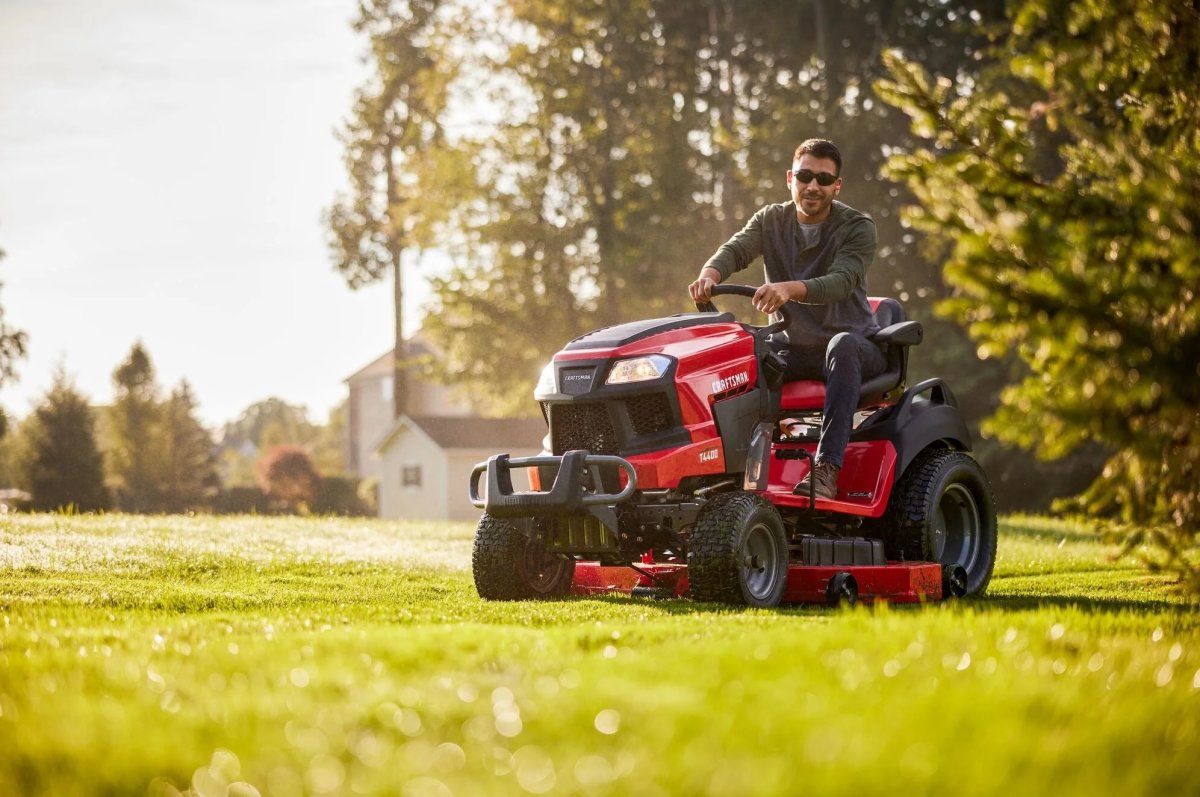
926,415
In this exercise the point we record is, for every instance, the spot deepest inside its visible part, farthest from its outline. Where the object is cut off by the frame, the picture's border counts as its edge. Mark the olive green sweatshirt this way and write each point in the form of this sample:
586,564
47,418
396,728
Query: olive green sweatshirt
832,265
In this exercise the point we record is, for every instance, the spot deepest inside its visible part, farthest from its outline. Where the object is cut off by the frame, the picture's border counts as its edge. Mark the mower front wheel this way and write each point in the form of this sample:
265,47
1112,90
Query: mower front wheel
508,564
738,552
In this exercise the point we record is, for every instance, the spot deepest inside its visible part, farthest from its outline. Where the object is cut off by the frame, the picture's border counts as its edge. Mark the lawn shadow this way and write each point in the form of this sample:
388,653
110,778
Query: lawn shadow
1094,605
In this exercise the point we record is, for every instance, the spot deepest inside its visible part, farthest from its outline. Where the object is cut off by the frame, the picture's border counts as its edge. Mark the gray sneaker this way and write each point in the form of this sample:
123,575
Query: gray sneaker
826,475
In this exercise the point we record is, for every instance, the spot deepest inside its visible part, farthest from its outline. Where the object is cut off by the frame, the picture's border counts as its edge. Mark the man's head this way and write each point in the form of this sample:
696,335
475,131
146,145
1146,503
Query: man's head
815,179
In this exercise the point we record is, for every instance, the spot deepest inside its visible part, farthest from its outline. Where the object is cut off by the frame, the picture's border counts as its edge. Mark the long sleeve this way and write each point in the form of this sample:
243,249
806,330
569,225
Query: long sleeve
849,267
740,250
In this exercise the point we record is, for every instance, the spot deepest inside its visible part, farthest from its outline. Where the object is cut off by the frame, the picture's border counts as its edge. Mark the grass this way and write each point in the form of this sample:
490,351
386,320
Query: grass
272,656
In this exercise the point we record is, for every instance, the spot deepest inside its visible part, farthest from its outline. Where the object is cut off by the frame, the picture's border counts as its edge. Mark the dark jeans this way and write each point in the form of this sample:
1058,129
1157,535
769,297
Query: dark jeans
842,366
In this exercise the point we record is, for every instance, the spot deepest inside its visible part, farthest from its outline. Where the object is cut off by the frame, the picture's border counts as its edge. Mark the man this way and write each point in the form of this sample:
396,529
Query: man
816,252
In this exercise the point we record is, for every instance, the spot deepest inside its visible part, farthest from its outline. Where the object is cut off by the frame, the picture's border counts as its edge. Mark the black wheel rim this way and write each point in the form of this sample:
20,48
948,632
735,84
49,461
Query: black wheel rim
956,581
849,592
542,570
760,558
957,526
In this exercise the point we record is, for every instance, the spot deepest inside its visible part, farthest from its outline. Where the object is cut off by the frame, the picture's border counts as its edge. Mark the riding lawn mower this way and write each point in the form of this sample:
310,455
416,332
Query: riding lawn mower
675,452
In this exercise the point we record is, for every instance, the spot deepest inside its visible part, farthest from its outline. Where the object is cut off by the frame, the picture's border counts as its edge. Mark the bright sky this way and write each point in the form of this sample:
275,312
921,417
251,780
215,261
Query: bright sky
163,168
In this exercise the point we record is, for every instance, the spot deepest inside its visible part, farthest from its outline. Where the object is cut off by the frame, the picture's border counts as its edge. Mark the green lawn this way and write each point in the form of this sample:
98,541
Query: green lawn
280,656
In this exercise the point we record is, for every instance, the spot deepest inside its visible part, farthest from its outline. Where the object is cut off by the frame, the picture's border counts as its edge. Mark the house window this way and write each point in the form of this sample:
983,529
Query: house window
410,475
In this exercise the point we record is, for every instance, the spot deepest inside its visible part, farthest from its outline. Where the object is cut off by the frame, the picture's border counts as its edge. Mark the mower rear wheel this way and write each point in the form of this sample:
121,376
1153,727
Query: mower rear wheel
738,552
508,565
943,512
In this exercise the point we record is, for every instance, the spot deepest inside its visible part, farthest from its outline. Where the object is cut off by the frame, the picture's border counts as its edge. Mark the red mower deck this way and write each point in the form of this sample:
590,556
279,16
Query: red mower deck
896,582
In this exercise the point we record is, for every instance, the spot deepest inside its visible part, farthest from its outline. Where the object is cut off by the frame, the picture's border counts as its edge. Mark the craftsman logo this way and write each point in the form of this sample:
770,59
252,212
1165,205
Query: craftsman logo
730,382
576,381
709,455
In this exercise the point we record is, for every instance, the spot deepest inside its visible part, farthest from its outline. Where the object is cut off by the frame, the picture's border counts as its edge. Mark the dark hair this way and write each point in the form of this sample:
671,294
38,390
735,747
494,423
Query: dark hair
819,148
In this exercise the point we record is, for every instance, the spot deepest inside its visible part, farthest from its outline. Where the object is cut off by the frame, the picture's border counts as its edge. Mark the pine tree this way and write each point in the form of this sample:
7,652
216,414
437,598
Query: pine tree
1063,186
65,468
134,444
189,480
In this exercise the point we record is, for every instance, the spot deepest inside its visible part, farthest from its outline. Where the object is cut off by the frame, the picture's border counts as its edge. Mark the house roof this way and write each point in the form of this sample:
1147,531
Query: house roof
469,432
382,365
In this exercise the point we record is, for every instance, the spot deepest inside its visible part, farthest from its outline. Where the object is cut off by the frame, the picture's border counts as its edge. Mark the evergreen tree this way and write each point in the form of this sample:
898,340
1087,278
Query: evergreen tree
1063,186
189,480
135,446
65,467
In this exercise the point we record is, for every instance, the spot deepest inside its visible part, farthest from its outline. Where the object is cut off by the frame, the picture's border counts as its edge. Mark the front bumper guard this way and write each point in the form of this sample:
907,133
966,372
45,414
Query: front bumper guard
569,495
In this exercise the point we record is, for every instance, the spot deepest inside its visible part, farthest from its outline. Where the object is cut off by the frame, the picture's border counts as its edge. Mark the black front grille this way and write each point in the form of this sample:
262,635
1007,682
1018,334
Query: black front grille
649,414
582,426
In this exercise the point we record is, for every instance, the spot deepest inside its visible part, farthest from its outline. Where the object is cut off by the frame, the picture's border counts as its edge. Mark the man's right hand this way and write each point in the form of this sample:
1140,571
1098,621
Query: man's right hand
701,289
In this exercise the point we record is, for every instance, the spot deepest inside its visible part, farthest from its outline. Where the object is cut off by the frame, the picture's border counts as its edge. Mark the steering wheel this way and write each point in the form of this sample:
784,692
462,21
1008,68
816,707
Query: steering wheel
746,290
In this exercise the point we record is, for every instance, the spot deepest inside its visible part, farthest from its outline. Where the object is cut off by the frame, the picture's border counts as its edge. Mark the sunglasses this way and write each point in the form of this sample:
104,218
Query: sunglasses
805,176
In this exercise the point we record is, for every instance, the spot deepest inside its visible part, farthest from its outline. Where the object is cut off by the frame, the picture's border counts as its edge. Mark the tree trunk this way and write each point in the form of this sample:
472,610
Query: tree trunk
400,355
395,250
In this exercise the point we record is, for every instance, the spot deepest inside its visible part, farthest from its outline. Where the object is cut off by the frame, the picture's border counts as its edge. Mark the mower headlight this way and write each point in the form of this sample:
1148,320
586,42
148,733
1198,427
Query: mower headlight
545,383
638,369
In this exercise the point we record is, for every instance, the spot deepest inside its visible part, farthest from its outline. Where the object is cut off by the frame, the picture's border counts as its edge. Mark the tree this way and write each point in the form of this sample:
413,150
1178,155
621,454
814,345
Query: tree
329,445
1062,185
270,422
577,225
189,479
135,447
12,345
65,468
262,426
638,136
394,141
287,475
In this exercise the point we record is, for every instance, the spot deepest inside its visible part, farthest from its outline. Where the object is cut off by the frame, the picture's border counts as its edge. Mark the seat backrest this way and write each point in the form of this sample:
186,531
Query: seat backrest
887,311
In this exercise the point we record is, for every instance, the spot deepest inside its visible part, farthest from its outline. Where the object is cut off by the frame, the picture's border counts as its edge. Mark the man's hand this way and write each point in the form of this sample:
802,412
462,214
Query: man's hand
701,289
773,295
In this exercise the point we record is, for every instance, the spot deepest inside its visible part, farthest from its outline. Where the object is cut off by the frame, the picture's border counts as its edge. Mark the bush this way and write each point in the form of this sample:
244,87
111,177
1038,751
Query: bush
338,495
289,478
241,501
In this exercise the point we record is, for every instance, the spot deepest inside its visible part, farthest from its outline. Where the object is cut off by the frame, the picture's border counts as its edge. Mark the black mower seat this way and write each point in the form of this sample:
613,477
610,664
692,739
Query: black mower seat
895,334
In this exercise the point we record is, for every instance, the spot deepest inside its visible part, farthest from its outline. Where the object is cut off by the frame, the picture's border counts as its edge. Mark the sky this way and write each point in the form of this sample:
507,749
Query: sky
163,169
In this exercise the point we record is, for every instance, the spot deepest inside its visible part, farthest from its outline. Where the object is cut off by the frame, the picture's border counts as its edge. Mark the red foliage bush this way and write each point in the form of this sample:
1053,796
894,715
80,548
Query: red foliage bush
287,475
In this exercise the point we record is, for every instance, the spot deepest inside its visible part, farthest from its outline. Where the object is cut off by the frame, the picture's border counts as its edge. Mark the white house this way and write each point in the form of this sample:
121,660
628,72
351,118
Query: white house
422,458
426,462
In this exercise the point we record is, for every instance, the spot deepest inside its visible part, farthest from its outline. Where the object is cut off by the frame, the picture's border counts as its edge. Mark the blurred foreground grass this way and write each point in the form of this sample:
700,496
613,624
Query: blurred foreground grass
336,657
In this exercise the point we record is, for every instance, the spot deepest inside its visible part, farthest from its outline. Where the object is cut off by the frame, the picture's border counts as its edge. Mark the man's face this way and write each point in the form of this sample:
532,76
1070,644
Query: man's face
813,200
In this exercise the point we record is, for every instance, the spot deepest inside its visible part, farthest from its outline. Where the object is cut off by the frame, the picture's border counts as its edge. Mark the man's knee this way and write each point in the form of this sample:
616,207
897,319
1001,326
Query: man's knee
841,345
